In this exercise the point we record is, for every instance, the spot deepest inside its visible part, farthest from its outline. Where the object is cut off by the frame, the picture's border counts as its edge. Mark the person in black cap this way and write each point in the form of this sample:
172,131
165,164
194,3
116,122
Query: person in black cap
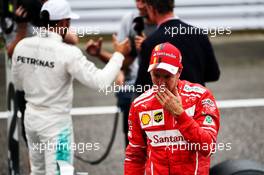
200,64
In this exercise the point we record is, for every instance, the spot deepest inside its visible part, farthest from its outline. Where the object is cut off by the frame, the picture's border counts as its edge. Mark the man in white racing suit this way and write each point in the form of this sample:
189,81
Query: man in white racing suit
44,67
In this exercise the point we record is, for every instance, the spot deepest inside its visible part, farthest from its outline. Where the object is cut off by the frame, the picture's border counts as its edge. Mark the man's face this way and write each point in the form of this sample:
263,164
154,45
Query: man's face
151,14
162,77
141,6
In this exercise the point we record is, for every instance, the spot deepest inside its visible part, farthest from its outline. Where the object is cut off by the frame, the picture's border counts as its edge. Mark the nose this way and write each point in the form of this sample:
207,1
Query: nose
161,81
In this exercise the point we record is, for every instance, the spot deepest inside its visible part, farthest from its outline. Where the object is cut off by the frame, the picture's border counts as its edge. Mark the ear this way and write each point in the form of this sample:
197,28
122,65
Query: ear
60,23
64,26
65,23
154,11
179,73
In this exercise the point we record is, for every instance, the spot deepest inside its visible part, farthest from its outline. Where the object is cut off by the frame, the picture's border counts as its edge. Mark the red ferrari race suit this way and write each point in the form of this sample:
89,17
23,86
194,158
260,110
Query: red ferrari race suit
161,144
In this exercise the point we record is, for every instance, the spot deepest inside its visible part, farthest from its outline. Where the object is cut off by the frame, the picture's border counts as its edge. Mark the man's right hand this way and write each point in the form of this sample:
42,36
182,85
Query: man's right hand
21,15
94,47
21,12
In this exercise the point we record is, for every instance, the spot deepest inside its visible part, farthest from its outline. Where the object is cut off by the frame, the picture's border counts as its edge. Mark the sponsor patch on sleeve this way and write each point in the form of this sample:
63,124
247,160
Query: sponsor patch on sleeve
208,102
190,111
151,118
196,89
145,119
158,117
208,121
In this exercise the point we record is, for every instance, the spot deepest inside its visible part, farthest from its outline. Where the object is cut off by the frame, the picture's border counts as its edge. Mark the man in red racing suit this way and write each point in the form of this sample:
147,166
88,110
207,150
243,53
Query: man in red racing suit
174,131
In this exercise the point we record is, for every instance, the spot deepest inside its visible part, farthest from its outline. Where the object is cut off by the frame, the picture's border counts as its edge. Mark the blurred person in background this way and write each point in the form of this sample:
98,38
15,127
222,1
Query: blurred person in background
136,26
200,64
44,67
172,127
27,17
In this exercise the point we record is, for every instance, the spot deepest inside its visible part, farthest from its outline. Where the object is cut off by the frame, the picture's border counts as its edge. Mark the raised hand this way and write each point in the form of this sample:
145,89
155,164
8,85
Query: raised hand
139,40
123,47
94,47
170,102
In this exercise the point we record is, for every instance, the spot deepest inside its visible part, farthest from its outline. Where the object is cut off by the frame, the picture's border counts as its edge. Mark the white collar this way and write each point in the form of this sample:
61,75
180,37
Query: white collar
50,34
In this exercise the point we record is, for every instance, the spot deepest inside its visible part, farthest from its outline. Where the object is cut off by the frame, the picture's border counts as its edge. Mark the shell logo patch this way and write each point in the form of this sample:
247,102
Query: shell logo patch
145,119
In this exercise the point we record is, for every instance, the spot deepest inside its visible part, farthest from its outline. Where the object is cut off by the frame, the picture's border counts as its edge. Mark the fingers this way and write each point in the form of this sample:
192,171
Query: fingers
128,46
100,39
114,41
114,38
159,99
100,42
170,102
138,41
24,14
97,43
89,43
137,38
21,12
93,47
123,47
120,78
168,93
161,96
125,42
178,96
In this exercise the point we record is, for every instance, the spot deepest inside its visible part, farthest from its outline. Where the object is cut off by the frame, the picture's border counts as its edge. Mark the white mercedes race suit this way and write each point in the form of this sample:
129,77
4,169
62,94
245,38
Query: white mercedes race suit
44,67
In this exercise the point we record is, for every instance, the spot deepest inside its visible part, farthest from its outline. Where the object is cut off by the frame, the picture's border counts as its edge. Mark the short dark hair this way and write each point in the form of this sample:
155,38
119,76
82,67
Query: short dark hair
45,19
162,6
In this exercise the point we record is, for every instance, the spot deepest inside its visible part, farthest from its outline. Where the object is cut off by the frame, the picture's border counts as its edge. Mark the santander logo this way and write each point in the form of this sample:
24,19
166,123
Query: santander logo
165,138
169,139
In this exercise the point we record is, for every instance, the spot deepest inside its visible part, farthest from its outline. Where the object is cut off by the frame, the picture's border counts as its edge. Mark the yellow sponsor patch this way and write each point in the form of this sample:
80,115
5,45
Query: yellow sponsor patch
145,119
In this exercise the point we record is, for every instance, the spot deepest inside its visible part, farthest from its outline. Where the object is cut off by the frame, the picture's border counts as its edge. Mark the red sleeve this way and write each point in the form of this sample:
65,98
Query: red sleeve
202,128
136,153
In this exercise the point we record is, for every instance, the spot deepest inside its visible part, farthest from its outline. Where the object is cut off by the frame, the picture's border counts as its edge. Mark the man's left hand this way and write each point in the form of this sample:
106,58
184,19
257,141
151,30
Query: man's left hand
123,47
139,40
170,102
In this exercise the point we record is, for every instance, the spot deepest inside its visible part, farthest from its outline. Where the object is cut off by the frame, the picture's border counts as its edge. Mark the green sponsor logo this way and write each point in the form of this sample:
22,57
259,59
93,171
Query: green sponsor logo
208,119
